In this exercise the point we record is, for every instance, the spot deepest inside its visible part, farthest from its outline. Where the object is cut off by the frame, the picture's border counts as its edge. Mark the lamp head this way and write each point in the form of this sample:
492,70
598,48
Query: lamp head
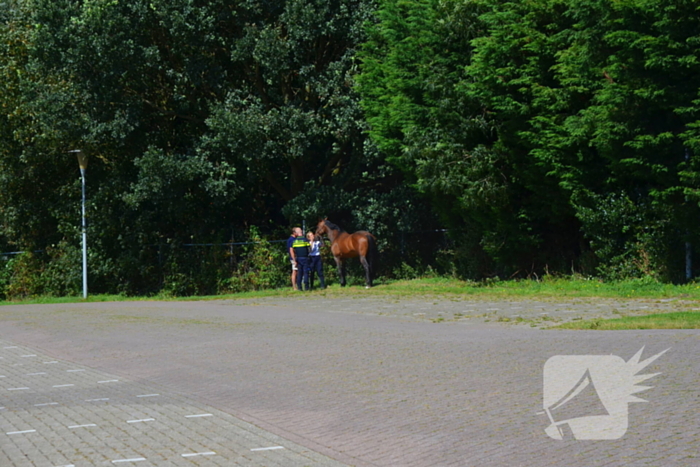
82,158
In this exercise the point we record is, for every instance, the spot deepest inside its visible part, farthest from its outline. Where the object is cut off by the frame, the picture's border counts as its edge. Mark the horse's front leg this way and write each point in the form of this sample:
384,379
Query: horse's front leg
341,270
368,273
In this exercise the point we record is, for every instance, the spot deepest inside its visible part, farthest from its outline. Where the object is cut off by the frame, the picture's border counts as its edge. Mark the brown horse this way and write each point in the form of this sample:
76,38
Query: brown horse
345,245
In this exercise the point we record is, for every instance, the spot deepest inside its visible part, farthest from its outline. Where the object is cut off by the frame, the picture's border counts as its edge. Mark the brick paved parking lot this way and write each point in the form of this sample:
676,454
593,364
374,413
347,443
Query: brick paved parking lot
306,381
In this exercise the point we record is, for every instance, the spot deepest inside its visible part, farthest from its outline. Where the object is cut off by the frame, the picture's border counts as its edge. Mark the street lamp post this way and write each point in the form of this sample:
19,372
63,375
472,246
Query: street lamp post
83,162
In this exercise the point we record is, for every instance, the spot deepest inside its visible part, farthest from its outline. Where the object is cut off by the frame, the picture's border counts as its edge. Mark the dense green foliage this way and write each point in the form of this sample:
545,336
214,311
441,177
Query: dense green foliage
550,135
200,119
562,131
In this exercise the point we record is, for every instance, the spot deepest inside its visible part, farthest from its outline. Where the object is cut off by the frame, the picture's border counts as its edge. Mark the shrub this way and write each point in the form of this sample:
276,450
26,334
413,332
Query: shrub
24,272
261,266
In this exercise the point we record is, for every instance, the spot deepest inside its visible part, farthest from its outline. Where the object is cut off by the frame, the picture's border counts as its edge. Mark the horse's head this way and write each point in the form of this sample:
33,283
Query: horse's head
321,228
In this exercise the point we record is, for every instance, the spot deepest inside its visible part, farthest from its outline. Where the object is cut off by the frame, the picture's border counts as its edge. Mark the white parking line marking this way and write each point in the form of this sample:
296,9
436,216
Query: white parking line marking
69,465
35,374
82,426
193,454
74,371
21,432
149,395
45,404
268,449
135,459
97,400
49,363
142,420
200,415
26,356
16,389
63,385
11,347
108,381
3,376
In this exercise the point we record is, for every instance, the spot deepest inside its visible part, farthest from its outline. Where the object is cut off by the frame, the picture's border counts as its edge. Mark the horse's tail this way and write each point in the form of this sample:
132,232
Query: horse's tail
372,256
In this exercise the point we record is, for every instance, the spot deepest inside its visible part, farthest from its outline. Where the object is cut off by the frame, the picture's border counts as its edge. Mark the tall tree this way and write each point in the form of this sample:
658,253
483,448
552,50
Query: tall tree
425,112
601,96
294,117
199,118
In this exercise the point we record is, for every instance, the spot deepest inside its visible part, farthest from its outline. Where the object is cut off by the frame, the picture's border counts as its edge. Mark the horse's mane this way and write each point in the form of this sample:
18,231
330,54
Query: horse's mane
332,226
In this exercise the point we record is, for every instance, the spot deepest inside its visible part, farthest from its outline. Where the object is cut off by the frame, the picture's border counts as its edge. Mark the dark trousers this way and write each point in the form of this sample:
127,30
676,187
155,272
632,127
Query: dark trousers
302,272
316,266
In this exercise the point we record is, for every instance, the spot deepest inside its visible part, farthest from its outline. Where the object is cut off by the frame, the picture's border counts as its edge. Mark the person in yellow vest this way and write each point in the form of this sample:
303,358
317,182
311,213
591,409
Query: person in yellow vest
300,255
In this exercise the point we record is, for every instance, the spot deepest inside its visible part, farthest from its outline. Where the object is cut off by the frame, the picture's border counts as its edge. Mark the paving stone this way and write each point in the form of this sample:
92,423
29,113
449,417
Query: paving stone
364,381
73,430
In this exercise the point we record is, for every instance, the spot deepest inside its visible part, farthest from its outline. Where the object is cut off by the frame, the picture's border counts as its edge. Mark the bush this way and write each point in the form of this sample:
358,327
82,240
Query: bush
23,277
5,276
630,239
192,270
62,275
261,266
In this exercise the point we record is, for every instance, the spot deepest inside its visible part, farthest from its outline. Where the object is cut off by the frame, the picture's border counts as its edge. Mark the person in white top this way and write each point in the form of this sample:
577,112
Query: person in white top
315,263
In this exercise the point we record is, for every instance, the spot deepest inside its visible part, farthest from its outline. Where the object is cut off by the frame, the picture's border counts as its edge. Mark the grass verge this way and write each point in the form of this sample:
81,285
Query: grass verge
440,287
547,287
679,320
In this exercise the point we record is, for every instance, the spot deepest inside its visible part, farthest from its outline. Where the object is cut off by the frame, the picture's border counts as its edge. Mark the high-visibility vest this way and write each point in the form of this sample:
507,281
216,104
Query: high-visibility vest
301,246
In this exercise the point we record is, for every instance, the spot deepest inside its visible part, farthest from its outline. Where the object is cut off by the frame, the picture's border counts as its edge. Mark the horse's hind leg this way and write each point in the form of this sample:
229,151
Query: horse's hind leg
341,271
368,271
